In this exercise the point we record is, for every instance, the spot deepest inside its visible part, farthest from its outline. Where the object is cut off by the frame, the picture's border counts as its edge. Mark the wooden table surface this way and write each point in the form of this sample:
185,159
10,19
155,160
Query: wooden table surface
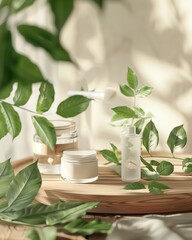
114,200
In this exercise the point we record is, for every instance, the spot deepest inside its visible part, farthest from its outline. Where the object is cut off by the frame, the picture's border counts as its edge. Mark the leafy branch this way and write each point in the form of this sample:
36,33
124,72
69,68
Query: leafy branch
18,205
134,115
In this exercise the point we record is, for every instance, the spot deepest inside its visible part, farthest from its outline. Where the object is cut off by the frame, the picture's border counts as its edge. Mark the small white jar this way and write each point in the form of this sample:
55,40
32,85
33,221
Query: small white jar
79,166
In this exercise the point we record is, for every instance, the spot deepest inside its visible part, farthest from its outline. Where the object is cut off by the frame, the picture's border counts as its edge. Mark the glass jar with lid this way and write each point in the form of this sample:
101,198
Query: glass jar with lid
49,161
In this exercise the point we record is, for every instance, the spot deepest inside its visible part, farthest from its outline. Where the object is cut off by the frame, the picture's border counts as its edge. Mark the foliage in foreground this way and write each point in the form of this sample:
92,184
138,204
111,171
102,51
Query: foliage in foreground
18,206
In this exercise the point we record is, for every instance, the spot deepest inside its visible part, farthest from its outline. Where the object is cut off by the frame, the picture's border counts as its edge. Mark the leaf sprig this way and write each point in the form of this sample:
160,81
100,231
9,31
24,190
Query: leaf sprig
135,115
17,205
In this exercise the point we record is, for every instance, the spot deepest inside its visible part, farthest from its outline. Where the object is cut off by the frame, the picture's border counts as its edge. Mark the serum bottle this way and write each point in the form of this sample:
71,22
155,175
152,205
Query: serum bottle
130,155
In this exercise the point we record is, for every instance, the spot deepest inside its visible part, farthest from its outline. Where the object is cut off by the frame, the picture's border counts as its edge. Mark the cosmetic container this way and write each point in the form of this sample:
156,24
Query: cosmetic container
49,161
131,151
79,166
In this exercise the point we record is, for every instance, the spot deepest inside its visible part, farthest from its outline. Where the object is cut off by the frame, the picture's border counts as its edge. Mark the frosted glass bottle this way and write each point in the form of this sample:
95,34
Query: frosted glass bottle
130,158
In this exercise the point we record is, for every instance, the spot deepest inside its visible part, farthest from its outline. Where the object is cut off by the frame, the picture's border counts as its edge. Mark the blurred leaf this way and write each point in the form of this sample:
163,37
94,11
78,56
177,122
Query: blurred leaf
22,94
6,176
132,78
124,111
165,168
46,97
61,10
19,5
177,138
6,90
139,112
40,37
118,120
99,3
24,187
147,165
42,233
150,137
157,188
187,165
116,151
134,186
5,3
86,228
73,106
70,214
3,126
126,90
7,61
149,175
139,125
154,163
110,156
45,130
27,71
144,91
12,119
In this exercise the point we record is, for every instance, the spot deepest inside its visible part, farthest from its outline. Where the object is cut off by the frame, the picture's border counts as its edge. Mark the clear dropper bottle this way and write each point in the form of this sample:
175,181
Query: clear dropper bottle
130,154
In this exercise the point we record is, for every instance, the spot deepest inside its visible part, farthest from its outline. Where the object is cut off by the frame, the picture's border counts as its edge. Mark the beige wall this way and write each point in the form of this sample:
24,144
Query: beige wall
152,37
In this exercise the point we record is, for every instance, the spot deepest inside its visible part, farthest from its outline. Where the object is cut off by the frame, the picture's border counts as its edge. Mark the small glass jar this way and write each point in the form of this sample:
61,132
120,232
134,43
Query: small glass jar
79,166
49,161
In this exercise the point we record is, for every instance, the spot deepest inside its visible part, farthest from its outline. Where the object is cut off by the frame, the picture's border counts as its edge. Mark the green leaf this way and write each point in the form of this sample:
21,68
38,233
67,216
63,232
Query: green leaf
139,125
22,94
6,90
110,156
73,106
24,187
99,3
116,151
45,130
149,175
124,111
187,165
7,61
62,11
150,137
157,188
36,213
27,71
12,119
126,90
19,5
43,233
46,97
165,168
86,228
148,165
134,186
40,37
118,120
70,214
144,91
138,112
6,176
177,138
3,126
132,78
154,163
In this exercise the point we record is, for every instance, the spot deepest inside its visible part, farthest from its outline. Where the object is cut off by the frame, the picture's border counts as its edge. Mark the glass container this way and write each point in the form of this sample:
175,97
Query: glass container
49,161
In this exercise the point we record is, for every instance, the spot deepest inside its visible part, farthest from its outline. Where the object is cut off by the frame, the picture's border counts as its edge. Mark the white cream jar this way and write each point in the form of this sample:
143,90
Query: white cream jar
79,166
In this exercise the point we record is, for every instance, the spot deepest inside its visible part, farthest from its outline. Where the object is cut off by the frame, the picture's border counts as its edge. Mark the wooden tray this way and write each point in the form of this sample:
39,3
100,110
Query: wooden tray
108,190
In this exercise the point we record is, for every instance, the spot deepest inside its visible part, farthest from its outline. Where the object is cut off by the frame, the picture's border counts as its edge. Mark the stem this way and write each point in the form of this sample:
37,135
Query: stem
162,157
22,108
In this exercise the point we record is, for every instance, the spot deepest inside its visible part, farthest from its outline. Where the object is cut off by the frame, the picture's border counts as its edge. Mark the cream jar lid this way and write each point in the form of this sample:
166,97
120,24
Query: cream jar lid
79,155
